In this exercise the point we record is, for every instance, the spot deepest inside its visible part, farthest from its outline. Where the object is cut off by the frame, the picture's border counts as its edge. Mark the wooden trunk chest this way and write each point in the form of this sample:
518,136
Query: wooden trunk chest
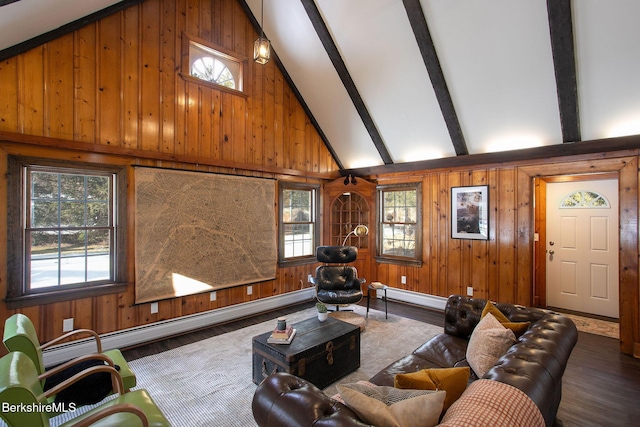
321,352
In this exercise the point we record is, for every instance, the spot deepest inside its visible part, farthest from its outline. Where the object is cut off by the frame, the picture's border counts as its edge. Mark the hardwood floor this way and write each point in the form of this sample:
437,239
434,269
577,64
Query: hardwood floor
601,386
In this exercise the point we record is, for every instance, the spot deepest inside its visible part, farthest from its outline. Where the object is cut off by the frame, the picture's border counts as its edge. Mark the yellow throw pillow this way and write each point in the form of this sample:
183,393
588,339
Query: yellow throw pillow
452,380
518,328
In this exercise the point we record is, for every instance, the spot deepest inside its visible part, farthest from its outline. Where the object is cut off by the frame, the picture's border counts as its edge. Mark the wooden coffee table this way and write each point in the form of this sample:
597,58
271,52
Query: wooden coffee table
321,352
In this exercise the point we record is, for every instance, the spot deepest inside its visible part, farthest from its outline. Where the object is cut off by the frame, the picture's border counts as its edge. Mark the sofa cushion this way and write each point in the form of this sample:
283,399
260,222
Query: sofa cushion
518,328
452,380
387,406
492,403
488,342
443,350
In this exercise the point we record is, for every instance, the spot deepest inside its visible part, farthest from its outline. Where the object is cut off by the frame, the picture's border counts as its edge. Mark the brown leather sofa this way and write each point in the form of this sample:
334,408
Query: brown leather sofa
534,364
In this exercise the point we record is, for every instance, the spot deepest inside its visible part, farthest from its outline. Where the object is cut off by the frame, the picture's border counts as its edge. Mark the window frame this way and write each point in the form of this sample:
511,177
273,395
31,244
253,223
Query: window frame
17,294
416,260
185,69
315,210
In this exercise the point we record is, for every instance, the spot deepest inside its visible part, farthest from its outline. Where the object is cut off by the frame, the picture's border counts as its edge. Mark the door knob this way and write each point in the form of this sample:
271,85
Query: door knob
551,252
551,243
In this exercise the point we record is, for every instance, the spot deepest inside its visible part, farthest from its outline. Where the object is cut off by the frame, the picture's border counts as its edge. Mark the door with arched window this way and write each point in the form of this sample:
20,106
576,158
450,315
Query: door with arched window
582,246
345,207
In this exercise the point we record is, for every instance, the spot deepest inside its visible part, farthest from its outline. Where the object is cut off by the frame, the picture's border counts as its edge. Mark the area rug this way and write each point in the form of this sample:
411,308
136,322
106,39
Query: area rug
595,326
209,383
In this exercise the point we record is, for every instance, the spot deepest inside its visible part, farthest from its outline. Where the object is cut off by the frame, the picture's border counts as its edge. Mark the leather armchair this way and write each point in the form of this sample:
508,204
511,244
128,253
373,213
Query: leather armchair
337,283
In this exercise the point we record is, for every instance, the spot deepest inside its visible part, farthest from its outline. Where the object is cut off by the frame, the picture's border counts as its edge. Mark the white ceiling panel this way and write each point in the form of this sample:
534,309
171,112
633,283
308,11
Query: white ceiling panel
303,55
608,67
393,82
26,19
496,57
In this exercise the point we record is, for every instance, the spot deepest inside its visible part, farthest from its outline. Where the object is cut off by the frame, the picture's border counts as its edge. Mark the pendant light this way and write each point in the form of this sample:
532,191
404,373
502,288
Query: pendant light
262,45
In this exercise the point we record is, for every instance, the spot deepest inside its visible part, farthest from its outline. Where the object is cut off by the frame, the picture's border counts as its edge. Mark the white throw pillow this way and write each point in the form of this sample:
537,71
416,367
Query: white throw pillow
488,342
385,406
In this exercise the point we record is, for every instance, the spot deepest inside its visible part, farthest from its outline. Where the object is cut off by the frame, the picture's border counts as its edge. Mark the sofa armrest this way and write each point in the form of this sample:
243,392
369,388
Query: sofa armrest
283,400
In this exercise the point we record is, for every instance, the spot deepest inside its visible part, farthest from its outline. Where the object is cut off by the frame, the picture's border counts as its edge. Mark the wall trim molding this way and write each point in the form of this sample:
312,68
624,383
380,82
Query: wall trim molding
166,328
411,297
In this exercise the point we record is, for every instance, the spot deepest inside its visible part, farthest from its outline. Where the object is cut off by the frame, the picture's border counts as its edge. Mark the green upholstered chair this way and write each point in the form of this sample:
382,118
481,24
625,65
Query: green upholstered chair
24,400
20,335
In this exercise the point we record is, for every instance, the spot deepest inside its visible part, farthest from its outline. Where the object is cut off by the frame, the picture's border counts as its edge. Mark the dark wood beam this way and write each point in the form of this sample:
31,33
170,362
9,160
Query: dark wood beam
332,50
594,147
65,29
564,64
294,89
431,61
6,2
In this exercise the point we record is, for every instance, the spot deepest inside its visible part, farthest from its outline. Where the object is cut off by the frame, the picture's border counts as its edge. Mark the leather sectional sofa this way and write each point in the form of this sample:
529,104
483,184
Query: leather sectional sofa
534,364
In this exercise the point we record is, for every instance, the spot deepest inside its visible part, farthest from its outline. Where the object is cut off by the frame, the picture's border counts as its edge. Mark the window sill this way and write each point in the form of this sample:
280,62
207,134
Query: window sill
399,261
64,295
212,85
297,261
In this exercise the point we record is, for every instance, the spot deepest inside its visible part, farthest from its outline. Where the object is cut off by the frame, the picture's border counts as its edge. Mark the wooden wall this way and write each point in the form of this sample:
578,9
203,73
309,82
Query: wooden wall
111,92
502,268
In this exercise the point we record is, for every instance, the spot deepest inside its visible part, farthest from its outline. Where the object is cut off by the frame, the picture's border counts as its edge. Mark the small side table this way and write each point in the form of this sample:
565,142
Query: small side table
377,287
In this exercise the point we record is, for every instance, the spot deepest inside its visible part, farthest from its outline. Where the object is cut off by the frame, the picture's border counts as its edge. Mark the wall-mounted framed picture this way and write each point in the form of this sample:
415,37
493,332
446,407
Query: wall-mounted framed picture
470,212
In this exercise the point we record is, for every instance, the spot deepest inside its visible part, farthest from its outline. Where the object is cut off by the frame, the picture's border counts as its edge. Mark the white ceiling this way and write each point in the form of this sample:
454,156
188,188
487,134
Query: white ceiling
495,56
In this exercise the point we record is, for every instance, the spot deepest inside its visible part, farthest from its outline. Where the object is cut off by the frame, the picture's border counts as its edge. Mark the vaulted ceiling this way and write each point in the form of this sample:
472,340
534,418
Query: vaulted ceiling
397,82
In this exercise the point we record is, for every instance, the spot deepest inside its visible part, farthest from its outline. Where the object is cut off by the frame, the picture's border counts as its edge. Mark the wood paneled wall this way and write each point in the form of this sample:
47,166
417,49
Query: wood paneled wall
502,268
111,92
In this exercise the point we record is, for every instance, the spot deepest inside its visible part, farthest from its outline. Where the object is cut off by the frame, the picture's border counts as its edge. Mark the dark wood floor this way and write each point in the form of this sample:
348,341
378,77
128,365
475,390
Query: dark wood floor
601,387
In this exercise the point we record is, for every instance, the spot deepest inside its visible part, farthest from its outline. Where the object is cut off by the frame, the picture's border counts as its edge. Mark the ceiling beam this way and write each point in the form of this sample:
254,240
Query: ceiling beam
594,147
431,61
564,64
294,89
6,2
332,50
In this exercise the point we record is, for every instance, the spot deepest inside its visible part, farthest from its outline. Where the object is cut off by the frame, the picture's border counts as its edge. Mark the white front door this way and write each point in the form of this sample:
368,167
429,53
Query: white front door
582,246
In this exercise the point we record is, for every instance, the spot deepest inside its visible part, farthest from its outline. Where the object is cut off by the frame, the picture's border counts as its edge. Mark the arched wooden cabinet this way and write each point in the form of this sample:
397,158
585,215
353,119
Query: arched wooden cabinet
345,207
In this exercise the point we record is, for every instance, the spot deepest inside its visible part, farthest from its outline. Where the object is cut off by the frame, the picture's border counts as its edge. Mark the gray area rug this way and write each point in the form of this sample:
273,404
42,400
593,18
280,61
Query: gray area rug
209,383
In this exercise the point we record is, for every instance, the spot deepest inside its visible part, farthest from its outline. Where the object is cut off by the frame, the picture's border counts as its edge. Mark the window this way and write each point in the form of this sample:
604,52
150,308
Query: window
212,65
298,230
399,218
65,238
584,199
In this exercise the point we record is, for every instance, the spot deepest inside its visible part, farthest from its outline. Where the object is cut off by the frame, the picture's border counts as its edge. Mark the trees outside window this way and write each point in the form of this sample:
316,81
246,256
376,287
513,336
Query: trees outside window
399,219
298,228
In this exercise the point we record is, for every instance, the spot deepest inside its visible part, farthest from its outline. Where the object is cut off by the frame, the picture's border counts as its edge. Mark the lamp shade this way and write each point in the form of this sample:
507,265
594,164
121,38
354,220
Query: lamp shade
262,50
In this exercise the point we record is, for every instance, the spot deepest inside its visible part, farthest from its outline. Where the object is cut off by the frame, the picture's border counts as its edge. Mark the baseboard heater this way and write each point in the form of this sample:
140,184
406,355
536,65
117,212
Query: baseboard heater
166,328
431,301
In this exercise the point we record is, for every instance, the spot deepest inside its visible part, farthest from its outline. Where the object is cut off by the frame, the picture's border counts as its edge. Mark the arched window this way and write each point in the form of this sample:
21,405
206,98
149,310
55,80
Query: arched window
213,66
584,199
213,70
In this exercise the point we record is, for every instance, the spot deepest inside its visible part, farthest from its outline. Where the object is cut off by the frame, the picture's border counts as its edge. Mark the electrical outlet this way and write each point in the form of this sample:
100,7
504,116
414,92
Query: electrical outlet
154,307
212,296
249,290
403,280
470,291
67,325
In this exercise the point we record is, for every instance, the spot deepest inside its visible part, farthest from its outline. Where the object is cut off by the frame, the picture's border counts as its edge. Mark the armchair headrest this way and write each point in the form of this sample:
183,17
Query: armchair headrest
336,254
